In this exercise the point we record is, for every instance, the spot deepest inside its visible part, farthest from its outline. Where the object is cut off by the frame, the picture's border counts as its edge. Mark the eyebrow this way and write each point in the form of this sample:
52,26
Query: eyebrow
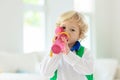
73,27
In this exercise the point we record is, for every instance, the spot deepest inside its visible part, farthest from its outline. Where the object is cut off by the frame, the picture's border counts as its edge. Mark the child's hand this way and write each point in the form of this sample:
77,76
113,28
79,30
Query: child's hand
66,49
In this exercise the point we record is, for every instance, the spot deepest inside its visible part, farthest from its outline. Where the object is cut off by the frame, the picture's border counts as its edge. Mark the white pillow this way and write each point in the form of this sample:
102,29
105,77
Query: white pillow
17,62
105,69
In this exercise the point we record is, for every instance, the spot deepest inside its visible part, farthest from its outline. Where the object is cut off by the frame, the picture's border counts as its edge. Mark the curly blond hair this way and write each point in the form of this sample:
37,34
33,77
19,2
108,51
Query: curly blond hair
75,16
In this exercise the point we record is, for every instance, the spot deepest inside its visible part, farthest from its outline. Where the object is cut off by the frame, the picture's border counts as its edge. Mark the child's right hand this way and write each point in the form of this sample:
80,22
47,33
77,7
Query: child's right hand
66,48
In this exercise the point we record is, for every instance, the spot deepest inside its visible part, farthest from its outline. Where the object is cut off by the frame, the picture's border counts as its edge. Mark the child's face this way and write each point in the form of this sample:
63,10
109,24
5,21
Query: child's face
72,28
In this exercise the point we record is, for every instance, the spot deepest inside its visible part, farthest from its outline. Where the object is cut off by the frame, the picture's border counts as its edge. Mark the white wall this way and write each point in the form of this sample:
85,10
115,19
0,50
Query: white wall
107,22
116,29
11,25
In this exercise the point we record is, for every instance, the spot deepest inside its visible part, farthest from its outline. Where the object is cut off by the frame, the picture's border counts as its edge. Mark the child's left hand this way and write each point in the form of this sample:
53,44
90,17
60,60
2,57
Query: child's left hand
66,49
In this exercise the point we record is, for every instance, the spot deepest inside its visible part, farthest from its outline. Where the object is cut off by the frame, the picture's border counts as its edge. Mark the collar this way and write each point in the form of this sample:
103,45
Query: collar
76,46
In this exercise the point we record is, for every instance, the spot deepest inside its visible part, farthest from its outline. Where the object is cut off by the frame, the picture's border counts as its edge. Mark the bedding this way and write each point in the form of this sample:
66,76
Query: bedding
19,76
17,62
14,66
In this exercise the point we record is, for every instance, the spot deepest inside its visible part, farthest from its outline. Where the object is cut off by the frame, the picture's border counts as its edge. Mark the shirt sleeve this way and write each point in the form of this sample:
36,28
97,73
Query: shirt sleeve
82,65
49,65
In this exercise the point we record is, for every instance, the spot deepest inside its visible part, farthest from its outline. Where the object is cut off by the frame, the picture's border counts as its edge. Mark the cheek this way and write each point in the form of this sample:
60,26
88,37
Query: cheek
73,38
72,35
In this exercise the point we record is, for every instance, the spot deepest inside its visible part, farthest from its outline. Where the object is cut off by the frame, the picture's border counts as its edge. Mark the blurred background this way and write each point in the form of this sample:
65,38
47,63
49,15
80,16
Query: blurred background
28,25
27,29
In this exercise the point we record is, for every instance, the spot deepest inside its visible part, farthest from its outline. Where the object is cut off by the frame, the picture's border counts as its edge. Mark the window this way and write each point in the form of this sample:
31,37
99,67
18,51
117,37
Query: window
86,7
34,26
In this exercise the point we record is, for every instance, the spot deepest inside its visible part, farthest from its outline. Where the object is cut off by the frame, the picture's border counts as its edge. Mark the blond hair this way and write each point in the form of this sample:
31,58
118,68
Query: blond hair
75,16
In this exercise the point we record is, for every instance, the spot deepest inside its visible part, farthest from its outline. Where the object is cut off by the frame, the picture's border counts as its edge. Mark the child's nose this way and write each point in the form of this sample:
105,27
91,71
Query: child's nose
67,31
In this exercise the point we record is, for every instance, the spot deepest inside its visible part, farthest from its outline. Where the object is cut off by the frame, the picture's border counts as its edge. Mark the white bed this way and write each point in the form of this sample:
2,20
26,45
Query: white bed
27,67
19,76
14,66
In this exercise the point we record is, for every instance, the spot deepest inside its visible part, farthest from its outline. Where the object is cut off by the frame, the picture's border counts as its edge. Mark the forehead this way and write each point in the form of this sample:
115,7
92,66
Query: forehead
70,22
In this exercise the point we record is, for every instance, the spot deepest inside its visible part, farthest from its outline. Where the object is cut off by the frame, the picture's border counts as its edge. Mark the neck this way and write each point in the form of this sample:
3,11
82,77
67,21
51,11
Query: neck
71,45
75,46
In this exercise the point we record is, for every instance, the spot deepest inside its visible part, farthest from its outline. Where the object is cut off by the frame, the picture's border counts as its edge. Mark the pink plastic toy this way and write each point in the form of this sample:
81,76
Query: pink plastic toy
58,44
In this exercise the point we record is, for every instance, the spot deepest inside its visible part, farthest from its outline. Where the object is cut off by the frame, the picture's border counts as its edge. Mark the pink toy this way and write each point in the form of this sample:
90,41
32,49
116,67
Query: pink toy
58,44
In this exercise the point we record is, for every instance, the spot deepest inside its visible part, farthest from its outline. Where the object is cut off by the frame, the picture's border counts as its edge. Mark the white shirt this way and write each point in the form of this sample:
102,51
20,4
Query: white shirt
70,66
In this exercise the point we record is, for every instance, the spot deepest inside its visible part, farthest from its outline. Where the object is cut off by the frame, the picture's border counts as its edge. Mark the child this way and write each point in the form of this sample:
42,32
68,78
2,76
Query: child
75,63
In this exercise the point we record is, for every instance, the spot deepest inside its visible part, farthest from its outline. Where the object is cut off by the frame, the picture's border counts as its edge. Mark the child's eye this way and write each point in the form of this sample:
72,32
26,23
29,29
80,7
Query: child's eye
63,27
72,30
